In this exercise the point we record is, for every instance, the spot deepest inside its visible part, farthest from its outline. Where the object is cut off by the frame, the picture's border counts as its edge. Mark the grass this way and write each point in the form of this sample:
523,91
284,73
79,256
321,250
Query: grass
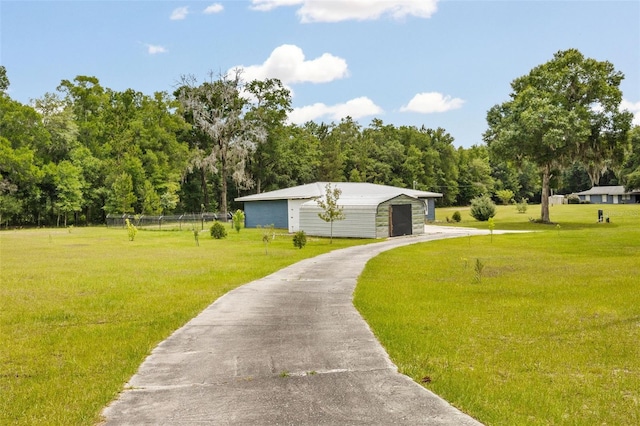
550,332
81,309
568,216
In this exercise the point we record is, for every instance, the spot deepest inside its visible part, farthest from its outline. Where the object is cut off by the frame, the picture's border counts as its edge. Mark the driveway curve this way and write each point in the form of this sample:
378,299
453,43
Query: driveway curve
287,349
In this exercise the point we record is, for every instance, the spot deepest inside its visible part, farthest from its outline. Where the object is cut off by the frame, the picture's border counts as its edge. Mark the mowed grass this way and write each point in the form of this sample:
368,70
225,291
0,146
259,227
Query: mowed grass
80,310
547,333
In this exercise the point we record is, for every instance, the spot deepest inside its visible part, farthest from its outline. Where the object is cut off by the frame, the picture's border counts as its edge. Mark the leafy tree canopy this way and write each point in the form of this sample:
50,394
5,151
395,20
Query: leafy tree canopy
563,111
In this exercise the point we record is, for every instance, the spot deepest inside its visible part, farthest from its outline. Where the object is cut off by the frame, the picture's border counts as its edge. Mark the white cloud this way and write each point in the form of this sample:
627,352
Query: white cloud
355,108
633,108
267,5
214,8
360,10
154,49
179,13
288,63
430,102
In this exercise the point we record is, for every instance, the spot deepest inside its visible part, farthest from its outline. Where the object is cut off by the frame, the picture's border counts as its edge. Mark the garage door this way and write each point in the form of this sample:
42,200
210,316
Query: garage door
400,220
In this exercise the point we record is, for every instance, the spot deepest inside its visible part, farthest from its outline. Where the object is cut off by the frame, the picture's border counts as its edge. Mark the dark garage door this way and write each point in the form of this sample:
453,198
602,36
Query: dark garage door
400,220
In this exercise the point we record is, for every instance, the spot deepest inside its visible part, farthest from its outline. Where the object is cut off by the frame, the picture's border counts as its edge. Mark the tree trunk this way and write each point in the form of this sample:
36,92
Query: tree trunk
223,195
331,232
223,184
544,199
203,188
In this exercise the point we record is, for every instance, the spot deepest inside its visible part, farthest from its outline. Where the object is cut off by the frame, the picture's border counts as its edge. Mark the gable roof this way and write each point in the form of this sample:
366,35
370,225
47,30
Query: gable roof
350,190
606,190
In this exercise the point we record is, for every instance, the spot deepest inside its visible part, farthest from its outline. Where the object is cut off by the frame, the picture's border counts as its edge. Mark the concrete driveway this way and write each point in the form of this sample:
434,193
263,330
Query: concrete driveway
288,349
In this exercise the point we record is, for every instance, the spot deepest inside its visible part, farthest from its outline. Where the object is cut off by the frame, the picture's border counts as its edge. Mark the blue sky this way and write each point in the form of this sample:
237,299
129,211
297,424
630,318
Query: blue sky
406,62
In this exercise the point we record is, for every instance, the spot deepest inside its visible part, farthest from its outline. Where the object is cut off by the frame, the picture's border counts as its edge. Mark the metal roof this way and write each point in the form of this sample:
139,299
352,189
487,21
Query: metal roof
359,202
606,190
356,192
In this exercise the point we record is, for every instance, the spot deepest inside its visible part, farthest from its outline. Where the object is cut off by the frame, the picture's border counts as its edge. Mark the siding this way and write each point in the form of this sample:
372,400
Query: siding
293,207
417,215
611,199
264,213
431,209
359,222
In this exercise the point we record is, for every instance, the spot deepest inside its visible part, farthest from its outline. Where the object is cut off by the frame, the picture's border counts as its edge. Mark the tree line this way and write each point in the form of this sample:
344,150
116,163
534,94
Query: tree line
85,151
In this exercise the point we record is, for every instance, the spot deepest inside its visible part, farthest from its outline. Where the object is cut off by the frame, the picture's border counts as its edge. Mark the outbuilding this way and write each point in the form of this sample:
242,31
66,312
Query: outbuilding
609,195
370,210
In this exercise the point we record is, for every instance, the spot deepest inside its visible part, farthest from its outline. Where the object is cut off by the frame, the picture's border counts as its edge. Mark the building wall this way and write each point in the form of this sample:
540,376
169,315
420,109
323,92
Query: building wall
610,199
556,200
359,222
293,208
431,209
265,213
417,215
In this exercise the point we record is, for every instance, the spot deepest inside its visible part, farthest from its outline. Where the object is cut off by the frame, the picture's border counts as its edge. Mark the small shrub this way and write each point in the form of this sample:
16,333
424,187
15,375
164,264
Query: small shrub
218,231
238,220
131,230
505,195
479,267
196,235
267,235
299,239
456,217
521,207
482,208
573,199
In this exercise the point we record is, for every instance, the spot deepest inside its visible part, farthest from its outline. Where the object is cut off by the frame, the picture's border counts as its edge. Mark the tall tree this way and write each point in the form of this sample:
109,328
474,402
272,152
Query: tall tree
562,111
57,118
121,197
475,174
9,203
89,101
632,165
446,164
217,110
270,108
388,154
69,183
4,80
21,136
332,150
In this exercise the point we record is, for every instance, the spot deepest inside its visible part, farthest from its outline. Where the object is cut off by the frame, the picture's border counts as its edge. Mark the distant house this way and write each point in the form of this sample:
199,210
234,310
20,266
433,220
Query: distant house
371,211
609,195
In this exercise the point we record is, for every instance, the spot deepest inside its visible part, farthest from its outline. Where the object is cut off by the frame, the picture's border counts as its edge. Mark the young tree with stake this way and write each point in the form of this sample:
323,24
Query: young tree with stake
331,211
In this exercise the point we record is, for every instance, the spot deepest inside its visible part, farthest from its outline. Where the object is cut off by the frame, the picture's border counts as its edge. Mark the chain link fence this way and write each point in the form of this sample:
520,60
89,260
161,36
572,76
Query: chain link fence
166,222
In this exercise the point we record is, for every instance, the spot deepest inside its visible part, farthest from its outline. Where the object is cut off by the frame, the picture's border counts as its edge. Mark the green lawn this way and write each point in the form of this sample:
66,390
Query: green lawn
547,333
81,309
